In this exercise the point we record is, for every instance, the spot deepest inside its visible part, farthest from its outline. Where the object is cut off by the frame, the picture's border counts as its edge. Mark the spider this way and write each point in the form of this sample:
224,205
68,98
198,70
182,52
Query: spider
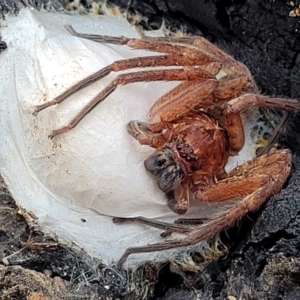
194,128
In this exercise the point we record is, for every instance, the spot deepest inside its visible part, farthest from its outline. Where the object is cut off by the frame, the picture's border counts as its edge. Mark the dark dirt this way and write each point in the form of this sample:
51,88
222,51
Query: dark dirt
42,269
263,262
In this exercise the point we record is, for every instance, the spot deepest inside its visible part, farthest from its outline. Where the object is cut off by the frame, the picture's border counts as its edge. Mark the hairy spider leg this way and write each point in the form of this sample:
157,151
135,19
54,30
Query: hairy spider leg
247,100
176,55
179,228
182,74
170,45
277,162
138,62
199,95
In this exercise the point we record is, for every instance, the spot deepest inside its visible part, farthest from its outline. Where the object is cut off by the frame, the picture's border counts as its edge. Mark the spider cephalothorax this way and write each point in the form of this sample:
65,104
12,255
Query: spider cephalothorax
194,128
195,151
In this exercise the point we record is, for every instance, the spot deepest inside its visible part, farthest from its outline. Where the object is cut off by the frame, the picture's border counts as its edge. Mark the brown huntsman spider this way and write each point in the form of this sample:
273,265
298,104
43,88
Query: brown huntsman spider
194,128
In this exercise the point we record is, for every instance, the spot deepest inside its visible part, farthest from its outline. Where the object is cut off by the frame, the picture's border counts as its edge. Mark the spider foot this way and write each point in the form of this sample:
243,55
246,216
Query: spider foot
59,131
152,248
38,108
137,128
98,38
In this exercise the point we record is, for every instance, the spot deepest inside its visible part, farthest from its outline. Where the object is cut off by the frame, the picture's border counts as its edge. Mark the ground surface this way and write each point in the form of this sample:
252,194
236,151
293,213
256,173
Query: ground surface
264,259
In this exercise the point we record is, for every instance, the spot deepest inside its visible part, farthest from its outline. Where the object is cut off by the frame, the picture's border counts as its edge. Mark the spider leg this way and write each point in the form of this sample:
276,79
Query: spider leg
235,130
195,221
182,74
278,163
228,88
152,248
183,99
162,44
260,164
201,46
200,95
247,178
244,101
196,94
155,135
121,40
233,122
197,47
227,60
174,45
137,62
180,228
